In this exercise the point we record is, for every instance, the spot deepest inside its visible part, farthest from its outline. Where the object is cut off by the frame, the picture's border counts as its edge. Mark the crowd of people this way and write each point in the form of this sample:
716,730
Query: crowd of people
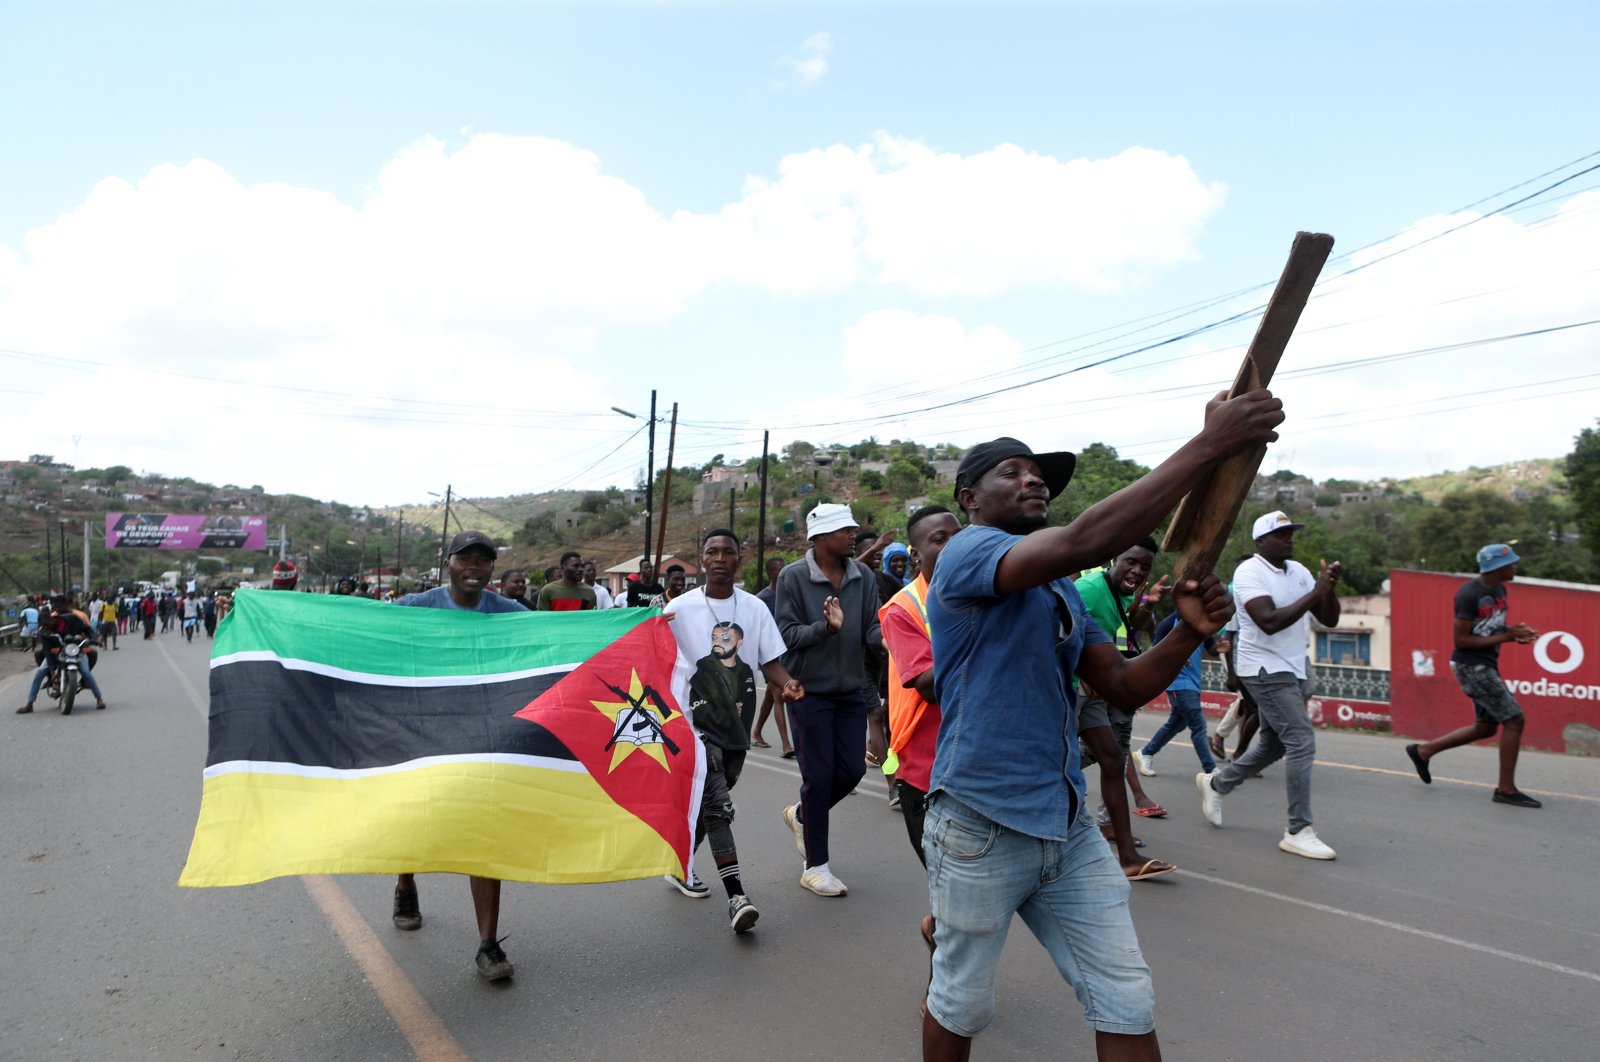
982,664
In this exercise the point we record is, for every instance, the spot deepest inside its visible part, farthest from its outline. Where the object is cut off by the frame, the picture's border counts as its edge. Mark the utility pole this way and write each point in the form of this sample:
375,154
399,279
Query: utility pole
399,542
49,564
86,560
650,478
761,521
444,534
66,573
666,487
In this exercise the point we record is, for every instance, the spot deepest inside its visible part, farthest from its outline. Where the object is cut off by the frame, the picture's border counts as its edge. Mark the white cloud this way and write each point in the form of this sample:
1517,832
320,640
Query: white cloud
809,63
485,276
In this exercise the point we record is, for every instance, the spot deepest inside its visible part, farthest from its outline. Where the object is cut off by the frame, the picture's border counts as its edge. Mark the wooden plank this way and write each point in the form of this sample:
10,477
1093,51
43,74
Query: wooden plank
1207,513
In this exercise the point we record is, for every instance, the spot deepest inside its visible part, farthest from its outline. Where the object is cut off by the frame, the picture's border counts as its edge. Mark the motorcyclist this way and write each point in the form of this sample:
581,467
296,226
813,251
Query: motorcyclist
63,623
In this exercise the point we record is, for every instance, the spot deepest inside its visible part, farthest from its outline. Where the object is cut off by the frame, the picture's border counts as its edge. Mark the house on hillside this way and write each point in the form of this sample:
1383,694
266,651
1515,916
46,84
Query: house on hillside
616,576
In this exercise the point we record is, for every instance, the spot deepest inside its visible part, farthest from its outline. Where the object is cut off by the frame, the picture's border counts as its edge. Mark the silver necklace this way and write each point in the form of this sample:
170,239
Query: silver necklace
733,619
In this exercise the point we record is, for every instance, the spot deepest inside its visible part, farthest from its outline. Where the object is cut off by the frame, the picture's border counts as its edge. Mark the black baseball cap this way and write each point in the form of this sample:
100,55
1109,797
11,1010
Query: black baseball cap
1057,466
468,539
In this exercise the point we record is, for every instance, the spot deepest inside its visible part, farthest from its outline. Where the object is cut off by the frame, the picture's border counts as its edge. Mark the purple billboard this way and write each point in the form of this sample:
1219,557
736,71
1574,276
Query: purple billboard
166,531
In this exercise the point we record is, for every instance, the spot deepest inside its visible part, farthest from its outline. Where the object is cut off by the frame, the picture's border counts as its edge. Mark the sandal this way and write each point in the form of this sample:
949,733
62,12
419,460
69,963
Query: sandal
758,743
1153,868
1154,811
787,754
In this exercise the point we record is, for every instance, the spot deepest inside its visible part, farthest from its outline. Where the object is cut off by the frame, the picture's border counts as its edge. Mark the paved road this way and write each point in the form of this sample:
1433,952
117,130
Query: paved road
1449,928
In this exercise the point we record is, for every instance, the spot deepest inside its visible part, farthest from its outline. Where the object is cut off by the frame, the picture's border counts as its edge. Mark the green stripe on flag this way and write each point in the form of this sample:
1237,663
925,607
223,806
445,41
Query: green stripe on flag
360,635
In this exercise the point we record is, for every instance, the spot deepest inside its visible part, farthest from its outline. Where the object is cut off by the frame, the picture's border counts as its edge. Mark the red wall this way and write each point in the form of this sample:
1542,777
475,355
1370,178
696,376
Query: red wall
1424,698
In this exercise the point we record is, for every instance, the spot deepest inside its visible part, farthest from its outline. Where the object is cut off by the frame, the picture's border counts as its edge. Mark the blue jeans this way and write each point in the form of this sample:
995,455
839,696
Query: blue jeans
1286,733
1186,712
44,669
1071,894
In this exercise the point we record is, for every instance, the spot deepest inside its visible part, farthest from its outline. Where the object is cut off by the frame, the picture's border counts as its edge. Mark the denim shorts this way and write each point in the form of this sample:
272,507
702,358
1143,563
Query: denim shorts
1491,701
1071,894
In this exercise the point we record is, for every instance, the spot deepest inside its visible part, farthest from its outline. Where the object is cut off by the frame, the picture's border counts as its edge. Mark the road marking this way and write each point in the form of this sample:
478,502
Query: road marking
1454,781
417,1022
427,1035
1558,794
1397,926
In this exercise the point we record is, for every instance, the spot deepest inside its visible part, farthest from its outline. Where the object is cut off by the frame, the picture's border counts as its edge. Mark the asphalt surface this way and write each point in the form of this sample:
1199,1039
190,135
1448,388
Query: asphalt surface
1449,928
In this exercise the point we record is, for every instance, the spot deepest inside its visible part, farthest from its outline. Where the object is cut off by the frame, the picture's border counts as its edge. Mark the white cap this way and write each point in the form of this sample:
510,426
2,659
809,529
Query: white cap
1278,521
828,517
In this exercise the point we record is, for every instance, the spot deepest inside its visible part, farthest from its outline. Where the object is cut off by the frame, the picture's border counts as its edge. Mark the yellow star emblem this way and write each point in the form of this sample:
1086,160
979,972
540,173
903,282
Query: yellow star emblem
636,725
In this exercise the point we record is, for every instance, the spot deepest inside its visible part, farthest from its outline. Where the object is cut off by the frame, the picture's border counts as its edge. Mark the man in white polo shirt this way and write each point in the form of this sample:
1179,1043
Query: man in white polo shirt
1277,597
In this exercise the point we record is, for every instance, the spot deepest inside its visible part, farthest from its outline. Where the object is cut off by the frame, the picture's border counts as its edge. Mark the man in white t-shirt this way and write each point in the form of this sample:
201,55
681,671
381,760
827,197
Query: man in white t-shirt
723,635
1277,599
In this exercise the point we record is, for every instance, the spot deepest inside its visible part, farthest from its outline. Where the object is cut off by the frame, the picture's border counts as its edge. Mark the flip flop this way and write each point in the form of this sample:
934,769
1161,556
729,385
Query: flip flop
788,755
758,743
1144,873
1154,811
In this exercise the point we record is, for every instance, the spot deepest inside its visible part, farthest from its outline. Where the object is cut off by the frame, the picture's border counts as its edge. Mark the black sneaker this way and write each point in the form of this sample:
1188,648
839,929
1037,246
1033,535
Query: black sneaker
407,915
742,914
695,890
1516,798
492,962
1420,764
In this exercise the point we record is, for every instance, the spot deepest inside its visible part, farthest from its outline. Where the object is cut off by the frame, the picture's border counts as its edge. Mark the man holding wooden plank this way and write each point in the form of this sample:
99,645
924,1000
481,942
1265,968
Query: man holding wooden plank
1007,831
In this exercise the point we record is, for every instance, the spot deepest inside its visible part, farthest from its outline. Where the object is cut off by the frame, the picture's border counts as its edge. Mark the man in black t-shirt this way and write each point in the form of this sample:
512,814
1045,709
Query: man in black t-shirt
643,588
1480,629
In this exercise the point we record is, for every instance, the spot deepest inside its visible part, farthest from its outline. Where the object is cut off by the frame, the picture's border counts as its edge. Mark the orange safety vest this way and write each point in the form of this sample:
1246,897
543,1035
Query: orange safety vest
906,706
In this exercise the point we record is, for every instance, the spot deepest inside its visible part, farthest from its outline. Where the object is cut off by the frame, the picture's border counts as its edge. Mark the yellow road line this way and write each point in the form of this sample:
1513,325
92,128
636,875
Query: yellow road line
427,1035
421,1027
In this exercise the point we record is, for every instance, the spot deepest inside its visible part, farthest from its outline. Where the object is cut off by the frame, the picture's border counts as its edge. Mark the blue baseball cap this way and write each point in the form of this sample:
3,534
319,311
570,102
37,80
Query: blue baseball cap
1496,556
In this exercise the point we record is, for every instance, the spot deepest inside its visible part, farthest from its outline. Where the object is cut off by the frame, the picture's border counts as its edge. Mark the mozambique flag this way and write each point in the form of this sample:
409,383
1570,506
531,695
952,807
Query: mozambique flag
353,737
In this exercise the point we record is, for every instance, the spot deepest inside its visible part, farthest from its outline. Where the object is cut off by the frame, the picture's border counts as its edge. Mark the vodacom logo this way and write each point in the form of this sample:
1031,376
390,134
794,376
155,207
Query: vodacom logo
1568,642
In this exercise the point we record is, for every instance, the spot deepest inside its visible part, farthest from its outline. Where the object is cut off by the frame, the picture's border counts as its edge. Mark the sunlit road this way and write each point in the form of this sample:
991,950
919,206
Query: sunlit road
1448,928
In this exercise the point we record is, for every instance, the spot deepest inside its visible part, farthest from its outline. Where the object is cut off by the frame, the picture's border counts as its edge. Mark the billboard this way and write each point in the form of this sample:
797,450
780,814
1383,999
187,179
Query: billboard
1556,679
168,531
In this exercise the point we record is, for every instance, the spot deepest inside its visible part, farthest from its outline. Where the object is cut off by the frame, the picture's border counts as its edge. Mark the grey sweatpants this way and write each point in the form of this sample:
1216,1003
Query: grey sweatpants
1286,734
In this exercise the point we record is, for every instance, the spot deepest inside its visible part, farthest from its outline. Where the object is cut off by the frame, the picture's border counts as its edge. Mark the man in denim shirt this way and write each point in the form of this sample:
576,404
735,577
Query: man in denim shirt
1006,833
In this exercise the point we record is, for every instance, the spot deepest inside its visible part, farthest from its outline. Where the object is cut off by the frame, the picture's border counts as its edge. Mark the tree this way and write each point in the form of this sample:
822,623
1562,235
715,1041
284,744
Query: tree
1583,482
1100,473
798,452
870,480
1451,534
905,475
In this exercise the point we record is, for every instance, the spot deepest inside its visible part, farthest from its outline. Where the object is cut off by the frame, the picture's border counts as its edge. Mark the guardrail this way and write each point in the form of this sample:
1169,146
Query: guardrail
1329,680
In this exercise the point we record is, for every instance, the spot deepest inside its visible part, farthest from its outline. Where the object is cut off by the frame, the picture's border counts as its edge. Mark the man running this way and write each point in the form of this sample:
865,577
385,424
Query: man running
828,615
723,634
1006,831
470,564
1479,632
1277,598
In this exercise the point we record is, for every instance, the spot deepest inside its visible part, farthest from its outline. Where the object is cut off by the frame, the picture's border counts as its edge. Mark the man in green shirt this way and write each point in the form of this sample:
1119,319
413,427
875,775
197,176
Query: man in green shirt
568,593
1111,595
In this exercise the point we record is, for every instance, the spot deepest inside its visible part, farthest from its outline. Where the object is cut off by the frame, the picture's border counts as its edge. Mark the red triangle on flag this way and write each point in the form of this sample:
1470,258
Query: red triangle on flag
615,712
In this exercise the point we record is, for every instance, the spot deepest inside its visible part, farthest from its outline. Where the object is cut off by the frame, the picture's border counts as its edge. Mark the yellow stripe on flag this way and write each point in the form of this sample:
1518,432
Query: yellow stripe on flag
495,820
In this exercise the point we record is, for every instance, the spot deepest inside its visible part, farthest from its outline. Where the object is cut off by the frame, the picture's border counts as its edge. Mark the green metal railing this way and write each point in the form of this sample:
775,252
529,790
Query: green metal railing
1330,680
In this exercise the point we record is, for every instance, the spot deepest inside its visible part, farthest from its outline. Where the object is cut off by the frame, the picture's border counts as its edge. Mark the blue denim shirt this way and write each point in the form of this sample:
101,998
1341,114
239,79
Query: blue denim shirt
1008,742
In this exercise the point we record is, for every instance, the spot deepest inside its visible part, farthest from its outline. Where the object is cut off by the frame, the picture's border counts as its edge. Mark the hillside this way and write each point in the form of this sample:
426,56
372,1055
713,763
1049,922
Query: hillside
1518,481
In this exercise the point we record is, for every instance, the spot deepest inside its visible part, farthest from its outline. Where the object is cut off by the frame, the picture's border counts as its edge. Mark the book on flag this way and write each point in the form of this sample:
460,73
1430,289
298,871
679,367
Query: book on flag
349,736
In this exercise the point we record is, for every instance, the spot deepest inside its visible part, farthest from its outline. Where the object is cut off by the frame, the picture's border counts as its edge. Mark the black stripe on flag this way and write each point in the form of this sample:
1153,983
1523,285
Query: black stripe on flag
262,711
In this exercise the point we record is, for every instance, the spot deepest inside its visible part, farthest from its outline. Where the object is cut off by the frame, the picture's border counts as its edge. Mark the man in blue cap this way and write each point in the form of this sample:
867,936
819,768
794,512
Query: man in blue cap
1480,630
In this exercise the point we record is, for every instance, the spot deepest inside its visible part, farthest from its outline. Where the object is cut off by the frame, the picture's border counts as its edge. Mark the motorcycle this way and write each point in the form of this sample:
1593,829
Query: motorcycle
65,678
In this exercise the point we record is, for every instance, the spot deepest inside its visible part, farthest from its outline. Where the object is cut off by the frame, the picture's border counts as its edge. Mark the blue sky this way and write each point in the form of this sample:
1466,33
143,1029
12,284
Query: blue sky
907,247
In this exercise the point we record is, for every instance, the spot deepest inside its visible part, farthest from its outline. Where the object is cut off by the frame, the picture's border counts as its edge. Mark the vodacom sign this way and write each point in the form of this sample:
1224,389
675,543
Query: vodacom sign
1571,647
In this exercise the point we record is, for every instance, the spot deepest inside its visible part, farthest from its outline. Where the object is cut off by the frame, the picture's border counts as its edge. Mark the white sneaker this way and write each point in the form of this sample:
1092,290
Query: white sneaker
791,818
821,881
1146,764
1305,843
1210,799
